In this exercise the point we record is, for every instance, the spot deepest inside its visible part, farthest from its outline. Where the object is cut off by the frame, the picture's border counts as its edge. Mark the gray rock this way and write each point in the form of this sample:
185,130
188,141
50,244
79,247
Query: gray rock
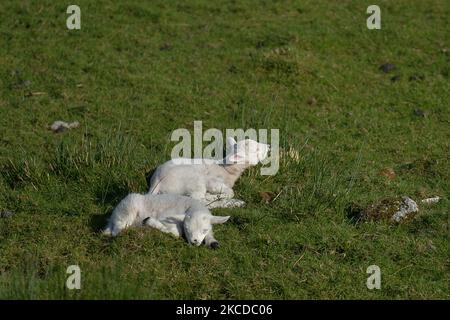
61,126
407,207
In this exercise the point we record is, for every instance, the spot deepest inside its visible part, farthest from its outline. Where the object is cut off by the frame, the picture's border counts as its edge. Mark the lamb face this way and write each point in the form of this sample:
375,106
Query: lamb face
198,225
247,151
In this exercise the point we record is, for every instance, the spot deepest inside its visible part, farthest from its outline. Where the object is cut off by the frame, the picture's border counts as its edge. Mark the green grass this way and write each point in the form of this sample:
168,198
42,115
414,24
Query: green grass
137,71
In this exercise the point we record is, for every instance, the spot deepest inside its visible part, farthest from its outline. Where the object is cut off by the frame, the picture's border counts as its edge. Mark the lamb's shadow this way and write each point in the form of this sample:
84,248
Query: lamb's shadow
353,213
148,176
98,222
110,198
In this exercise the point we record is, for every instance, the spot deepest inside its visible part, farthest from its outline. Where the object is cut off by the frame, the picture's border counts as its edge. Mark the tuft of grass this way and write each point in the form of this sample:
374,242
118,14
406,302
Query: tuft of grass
18,173
73,160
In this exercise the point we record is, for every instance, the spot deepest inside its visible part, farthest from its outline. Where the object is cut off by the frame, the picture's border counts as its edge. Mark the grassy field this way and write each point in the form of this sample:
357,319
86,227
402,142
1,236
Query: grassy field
138,70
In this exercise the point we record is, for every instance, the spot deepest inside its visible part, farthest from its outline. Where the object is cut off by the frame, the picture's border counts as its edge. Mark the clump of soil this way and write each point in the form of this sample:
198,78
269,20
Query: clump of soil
388,173
394,210
267,197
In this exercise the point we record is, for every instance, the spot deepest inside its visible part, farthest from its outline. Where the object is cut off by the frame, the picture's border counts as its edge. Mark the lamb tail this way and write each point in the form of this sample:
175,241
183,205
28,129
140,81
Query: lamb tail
107,231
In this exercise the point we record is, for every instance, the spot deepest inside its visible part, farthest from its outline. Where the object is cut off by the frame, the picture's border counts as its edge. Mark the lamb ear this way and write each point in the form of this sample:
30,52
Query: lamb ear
219,219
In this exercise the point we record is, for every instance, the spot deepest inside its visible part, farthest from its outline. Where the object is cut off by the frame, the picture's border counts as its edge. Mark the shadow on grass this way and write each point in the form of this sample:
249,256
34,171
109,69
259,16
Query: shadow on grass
148,176
108,196
98,222
353,213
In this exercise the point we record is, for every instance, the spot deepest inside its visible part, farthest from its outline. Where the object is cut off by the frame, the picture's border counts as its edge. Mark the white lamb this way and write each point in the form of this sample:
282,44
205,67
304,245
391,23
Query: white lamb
209,181
174,214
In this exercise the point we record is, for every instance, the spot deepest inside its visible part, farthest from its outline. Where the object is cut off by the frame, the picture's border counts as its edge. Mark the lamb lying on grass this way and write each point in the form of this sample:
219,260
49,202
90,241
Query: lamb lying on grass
209,181
174,214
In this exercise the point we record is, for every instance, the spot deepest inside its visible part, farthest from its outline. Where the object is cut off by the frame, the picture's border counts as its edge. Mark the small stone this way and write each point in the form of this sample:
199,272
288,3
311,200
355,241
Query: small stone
395,78
431,200
387,67
6,214
419,113
61,126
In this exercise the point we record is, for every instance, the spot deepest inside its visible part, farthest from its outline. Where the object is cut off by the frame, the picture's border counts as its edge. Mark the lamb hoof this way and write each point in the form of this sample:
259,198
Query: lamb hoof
214,245
235,203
